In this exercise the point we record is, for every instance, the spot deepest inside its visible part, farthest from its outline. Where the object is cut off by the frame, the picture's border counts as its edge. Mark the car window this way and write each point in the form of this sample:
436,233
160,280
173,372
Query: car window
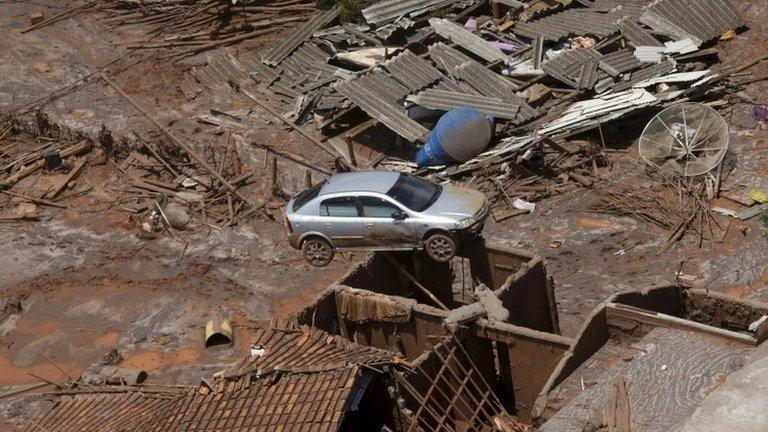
414,193
339,207
377,207
306,196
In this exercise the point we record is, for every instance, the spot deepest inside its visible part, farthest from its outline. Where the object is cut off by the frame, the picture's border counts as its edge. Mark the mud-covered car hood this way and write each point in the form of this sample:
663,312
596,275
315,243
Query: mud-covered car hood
456,202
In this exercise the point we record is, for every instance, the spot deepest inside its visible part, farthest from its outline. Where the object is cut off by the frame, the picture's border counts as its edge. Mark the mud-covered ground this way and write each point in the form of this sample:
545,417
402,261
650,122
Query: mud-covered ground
86,284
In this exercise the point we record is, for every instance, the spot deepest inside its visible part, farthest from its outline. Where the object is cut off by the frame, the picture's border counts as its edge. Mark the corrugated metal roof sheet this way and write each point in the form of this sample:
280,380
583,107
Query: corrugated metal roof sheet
279,52
388,113
412,71
389,10
447,100
701,20
467,40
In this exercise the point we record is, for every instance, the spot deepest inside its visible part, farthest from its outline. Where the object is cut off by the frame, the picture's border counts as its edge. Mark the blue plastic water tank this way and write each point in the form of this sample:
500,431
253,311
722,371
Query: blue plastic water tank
459,135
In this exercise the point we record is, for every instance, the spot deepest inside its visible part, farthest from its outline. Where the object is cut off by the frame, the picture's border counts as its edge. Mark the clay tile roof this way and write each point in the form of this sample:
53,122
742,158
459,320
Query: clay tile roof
308,350
304,381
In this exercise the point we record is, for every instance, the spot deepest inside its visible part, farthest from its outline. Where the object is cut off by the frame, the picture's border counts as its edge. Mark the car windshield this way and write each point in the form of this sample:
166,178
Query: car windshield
414,193
306,196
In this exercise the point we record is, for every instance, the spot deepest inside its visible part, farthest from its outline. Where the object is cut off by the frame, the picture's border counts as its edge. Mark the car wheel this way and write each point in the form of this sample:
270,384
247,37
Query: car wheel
440,247
317,252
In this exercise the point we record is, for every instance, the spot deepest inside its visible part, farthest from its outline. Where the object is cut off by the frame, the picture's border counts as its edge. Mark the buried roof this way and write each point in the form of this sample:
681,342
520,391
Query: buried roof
304,380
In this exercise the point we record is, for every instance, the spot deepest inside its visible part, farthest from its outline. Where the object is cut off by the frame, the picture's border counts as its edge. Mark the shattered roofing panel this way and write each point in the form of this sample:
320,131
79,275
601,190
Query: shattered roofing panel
447,58
701,19
652,71
279,52
567,65
446,100
389,10
467,40
622,60
391,115
577,22
611,105
491,84
386,87
637,35
412,71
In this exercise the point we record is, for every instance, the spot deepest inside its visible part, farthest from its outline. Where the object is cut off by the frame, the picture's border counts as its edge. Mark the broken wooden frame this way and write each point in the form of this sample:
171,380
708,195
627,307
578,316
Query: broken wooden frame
371,307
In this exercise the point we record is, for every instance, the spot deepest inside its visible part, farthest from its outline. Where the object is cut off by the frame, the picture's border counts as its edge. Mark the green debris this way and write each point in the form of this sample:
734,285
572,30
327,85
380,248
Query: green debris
758,195
349,10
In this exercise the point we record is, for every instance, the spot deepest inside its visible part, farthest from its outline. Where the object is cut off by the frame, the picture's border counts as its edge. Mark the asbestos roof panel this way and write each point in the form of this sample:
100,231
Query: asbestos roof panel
649,54
389,10
447,58
446,100
622,60
279,52
577,22
467,40
652,71
584,112
566,66
491,84
702,20
412,71
636,34
680,77
385,86
387,112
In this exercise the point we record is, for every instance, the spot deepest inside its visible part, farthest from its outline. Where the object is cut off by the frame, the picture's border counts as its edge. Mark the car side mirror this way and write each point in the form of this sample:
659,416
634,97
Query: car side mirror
399,215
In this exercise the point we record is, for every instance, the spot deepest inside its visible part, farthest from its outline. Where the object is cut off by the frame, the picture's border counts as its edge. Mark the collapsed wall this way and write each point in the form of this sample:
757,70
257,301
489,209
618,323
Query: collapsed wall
380,304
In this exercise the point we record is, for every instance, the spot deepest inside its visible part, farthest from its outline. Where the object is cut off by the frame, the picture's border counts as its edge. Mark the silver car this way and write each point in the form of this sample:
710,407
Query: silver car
383,210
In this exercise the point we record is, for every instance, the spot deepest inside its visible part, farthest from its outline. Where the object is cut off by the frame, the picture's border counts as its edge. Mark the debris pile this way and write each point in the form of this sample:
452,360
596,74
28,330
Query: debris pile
677,205
540,76
197,26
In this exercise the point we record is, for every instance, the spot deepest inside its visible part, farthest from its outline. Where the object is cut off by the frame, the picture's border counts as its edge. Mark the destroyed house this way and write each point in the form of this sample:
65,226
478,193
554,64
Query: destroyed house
487,333
296,380
647,358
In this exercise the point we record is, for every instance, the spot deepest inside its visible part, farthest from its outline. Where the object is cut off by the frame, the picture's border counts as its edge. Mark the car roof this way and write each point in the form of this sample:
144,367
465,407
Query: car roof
367,181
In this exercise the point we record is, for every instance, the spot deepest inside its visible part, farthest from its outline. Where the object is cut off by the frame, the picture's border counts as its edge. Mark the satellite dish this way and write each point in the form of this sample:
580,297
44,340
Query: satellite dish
688,139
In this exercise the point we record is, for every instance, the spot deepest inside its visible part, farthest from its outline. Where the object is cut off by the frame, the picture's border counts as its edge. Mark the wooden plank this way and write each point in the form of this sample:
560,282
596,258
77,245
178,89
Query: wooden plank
615,311
73,173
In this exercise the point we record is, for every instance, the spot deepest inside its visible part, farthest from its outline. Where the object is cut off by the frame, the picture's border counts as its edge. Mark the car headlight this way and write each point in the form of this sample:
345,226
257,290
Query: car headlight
465,223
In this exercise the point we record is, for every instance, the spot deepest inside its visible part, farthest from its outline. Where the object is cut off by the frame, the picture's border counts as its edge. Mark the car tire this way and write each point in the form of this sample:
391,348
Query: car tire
440,247
317,252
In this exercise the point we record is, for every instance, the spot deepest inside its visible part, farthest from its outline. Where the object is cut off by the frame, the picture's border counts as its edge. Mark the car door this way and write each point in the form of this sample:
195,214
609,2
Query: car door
380,228
341,221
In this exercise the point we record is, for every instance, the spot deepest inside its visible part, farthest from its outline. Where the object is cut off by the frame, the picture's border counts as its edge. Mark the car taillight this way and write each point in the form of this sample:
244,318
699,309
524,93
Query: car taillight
288,225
